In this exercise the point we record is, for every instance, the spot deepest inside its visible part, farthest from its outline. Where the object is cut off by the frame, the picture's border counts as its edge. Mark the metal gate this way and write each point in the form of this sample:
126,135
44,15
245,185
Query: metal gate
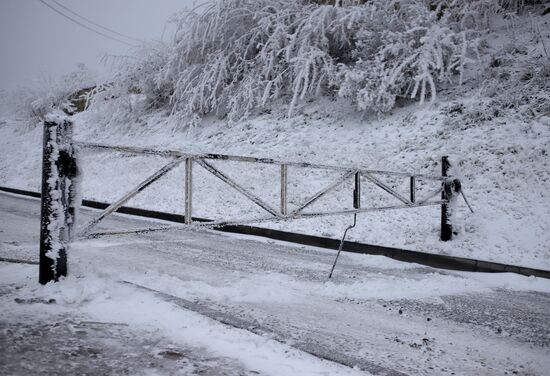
58,134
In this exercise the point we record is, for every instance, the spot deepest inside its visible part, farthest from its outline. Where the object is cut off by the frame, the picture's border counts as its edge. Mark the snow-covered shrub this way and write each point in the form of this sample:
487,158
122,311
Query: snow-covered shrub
30,104
242,54
141,86
515,87
237,56
413,50
145,74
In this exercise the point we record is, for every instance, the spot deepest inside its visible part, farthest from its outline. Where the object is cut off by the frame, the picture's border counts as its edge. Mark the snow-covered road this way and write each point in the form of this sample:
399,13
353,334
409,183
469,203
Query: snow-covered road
377,315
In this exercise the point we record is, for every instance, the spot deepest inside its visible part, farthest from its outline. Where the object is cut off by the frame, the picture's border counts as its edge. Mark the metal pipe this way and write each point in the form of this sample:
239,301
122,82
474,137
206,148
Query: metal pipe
284,186
188,191
366,210
177,153
255,220
342,244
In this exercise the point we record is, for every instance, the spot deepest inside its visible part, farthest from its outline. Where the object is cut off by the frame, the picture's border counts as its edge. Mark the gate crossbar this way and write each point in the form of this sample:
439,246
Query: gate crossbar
236,158
214,224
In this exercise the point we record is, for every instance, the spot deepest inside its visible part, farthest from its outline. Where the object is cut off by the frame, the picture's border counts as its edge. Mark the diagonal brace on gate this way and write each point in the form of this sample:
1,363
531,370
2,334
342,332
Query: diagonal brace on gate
323,192
255,199
140,187
430,195
388,189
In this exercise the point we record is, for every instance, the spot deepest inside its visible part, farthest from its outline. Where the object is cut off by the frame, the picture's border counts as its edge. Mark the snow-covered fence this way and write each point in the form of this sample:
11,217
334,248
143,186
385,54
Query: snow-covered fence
59,196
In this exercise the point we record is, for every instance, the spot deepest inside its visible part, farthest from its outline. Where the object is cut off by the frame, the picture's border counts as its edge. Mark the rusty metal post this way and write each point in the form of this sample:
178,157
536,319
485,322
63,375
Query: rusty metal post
188,191
58,202
446,226
284,186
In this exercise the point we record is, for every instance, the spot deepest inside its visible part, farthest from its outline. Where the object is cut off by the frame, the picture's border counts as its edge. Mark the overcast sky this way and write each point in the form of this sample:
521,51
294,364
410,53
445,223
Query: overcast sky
35,41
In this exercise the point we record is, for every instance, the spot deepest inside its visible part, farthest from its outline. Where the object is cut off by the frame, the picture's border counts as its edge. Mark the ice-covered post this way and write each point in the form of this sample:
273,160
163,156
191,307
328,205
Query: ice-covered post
446,226
59,196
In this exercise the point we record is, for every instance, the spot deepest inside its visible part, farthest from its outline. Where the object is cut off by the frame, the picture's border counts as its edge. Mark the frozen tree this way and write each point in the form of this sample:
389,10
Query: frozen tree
232,57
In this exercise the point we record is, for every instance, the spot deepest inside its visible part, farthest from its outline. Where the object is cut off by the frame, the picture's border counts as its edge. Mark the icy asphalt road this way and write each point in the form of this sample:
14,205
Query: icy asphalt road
382,316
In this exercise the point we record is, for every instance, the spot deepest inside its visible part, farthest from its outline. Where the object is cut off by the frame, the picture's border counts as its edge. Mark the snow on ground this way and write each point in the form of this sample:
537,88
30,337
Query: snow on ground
380,315
508,190
101,300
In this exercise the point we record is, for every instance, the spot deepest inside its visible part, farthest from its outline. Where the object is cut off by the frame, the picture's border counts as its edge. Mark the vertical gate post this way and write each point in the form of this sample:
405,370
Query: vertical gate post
284,185
413,189
446,226
357,191
59,195
188,217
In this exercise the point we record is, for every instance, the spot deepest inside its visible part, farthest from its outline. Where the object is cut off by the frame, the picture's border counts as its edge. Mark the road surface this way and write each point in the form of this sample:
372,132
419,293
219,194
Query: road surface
377,315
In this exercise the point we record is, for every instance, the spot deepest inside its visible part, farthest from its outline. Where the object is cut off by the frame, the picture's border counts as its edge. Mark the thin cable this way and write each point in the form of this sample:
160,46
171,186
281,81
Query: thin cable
95,23
85,26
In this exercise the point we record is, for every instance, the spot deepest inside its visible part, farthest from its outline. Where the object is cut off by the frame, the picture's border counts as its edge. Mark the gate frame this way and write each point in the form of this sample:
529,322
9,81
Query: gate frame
60,170
279,214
